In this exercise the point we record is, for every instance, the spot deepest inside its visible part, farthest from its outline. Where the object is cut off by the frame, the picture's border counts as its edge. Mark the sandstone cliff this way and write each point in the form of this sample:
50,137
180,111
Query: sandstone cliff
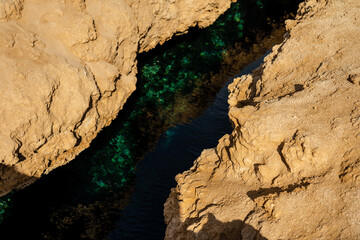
291,167
68,66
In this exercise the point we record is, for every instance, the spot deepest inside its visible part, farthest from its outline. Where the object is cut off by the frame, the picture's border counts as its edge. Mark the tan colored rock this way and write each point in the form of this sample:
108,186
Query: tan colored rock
10,9
291,167
68,66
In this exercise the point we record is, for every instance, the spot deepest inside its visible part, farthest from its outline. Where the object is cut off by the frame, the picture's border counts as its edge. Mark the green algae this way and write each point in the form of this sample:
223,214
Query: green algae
5,204
162,77
171,72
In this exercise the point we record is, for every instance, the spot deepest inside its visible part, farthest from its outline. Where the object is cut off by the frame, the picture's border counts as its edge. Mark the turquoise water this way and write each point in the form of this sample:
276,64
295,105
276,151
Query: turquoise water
83,199
174,153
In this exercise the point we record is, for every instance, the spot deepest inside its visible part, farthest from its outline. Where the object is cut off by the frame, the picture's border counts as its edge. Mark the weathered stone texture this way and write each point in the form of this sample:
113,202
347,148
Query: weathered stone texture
291,167
67,68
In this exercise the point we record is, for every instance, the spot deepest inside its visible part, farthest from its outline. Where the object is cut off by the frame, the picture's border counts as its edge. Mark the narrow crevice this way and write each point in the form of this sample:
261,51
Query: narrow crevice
279,149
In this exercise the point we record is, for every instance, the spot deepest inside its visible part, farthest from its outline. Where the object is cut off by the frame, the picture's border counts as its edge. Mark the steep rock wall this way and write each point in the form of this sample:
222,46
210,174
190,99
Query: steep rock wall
291,167
68,66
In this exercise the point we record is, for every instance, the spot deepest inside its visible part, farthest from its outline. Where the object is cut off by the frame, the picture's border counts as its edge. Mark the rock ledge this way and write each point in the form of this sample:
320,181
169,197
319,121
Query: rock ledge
67,68
291,167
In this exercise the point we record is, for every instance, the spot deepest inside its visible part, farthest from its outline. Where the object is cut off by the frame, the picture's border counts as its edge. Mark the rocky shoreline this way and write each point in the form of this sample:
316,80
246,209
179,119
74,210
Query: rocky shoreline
67,69
291,167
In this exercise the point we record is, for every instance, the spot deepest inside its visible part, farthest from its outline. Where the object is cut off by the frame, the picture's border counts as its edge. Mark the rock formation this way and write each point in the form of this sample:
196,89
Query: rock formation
68,66
291,167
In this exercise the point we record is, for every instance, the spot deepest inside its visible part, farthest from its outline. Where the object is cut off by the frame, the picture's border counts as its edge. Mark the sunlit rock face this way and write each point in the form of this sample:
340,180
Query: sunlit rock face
290,169
68,66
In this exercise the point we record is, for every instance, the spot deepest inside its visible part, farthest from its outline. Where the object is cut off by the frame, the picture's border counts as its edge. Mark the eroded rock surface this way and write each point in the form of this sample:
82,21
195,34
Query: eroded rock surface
291,167
68,66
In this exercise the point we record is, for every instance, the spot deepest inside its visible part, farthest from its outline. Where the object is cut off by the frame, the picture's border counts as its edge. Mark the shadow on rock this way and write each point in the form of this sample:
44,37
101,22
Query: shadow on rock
235,230
215,230
204,228
10,177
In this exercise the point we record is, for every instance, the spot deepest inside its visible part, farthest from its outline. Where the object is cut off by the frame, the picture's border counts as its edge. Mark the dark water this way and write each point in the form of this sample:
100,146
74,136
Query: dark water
177,81
174,153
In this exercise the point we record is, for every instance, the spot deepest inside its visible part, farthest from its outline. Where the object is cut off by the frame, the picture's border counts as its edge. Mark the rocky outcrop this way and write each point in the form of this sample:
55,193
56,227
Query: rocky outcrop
68,66
291,167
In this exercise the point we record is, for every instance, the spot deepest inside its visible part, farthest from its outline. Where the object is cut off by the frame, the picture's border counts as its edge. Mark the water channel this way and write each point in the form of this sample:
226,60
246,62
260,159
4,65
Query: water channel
116,189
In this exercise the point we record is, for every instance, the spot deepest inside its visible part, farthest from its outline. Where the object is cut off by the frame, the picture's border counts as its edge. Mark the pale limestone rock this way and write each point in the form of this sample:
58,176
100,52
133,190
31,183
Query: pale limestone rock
10,9
291,167
67,68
